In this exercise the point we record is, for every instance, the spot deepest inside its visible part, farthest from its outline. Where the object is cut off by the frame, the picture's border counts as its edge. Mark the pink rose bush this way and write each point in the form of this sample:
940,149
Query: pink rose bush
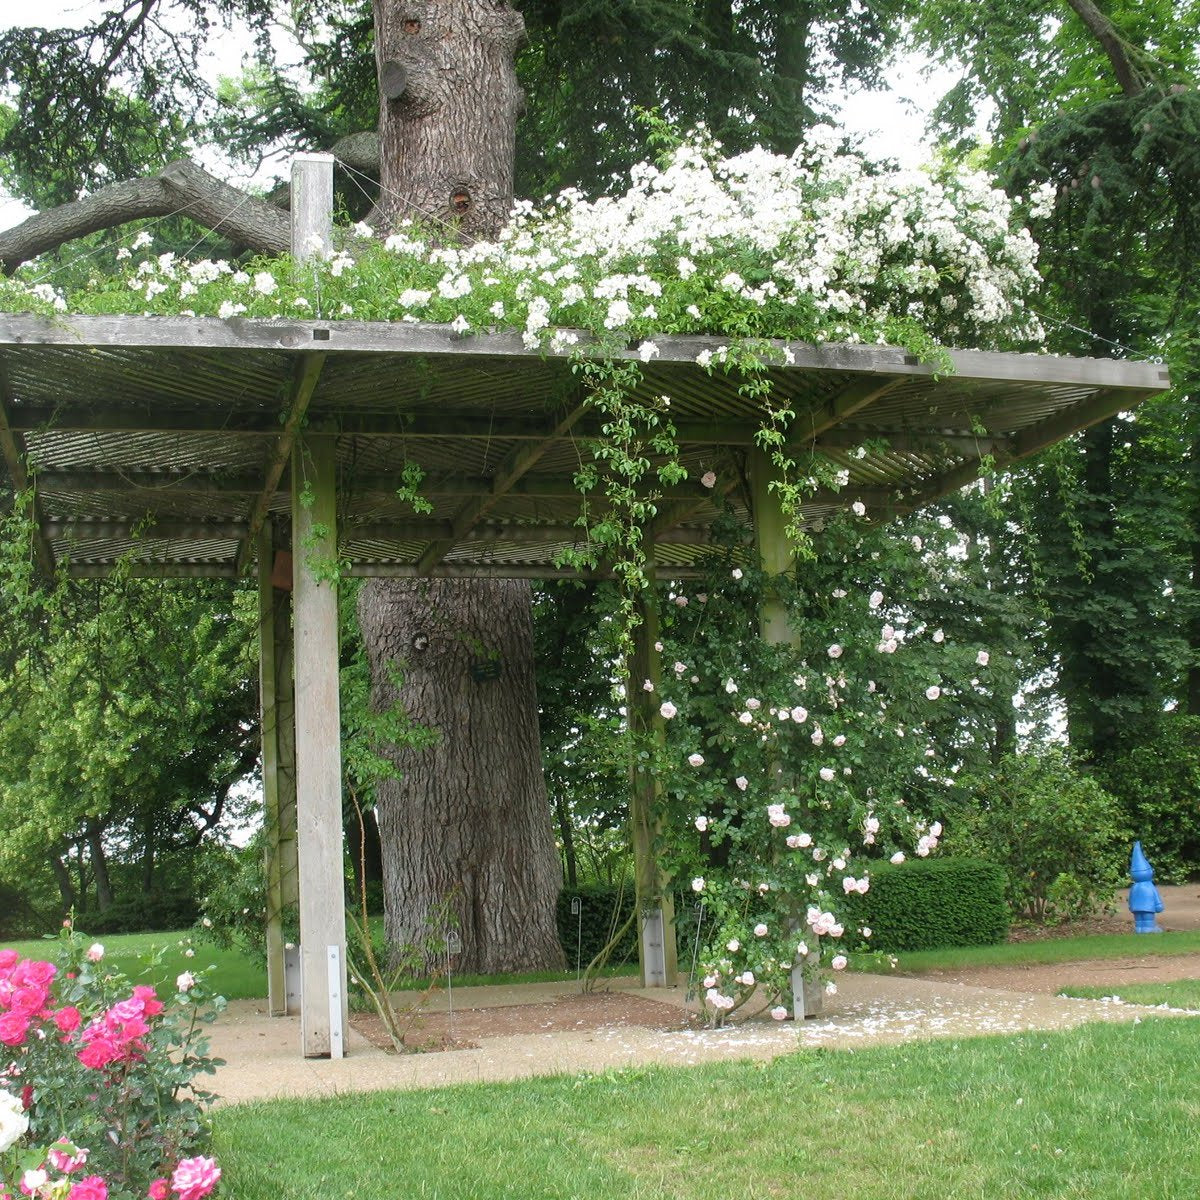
98,1099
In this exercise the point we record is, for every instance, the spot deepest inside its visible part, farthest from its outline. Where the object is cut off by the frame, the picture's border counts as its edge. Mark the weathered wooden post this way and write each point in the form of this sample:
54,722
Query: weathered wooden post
775,552
278,731
323,1012
657,952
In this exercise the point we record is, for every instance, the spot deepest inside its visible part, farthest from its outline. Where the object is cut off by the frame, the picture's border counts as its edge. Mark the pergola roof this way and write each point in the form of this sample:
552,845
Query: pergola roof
165,442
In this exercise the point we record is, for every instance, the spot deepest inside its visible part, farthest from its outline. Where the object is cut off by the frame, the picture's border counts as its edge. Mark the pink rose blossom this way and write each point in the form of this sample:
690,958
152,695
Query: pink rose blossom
982,658
696,760
760,930
160,1189
839,962
194,1178
667,709
709,479
91,1187
95,952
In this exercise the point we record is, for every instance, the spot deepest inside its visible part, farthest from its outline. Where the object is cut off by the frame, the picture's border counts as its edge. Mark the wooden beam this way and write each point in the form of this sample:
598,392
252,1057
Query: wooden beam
318,737
305,375
150,483
1080,416
507,571
465,426
914,441
144,530
12,449
515,464
851,399
419,338
151,570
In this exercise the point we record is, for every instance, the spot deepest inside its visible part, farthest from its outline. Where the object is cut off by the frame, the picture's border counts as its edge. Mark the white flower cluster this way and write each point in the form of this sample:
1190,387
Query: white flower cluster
818,245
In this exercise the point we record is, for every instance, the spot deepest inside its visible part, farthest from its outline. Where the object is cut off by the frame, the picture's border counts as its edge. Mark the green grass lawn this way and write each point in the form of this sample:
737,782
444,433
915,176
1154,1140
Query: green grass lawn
1178,993
1049,950
1105,1112
237,976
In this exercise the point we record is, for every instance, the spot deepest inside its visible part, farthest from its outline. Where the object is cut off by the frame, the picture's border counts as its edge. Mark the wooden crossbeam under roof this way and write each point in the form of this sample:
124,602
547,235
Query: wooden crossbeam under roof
164,443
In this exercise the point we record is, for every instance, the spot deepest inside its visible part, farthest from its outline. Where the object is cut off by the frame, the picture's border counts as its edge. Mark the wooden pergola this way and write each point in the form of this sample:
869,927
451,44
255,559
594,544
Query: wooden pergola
181,447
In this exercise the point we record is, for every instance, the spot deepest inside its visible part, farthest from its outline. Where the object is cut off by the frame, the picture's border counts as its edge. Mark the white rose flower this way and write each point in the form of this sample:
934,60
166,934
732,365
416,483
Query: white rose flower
698,884
13,1120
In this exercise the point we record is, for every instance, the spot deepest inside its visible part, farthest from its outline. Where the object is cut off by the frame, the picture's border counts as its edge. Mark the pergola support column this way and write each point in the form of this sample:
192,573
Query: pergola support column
777,557
277,724
323,1010
657,952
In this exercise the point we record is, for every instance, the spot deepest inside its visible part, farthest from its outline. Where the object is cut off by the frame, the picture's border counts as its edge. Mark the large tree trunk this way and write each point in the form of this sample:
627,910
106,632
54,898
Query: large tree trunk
448,106
469,823
470,820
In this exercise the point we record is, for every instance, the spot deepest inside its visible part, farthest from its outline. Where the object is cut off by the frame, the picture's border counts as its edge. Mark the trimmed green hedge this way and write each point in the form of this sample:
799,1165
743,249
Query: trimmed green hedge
925,904
599,901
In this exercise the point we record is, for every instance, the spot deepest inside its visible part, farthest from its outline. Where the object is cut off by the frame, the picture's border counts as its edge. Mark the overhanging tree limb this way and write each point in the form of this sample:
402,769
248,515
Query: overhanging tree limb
181,188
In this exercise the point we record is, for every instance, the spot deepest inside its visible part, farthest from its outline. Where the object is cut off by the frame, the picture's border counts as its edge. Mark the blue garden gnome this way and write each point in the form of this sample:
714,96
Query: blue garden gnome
1144,900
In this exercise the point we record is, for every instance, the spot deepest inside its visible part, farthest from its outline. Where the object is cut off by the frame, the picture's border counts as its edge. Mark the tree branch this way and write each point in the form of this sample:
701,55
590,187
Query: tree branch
180,188
1105,32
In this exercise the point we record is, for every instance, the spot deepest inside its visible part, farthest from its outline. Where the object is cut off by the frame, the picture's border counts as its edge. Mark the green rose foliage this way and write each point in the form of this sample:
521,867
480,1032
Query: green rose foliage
1059,834
788,769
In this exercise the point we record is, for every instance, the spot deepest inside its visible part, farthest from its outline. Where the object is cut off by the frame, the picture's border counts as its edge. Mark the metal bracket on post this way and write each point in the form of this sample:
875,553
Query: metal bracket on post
336,1043
653,948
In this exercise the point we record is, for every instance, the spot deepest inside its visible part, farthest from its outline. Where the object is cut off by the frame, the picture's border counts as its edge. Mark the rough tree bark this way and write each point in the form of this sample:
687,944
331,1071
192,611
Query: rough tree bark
472,814
468,823
448,108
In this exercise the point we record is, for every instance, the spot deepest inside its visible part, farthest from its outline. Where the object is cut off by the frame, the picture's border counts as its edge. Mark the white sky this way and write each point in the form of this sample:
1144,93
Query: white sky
892,122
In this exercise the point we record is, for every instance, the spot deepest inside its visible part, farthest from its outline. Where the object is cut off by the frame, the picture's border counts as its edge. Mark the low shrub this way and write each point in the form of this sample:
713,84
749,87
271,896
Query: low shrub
148,913
927,904
1058,834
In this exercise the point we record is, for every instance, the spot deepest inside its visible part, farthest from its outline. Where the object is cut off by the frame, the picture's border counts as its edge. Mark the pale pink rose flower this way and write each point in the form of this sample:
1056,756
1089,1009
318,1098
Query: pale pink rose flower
858,508
793,841
831,988
840,740
647,685
698,884
760,930
839,962
733,945
935,830
753,705
802,950
939,636
834,651
799,714
863,886
779,1013
736,572
702,823
709,479
667,709
95,952
805,840
679,668
745,718
865,931
897,858
742,783
827,774
876,599
185,982
932,693
982,658
696,760
681,601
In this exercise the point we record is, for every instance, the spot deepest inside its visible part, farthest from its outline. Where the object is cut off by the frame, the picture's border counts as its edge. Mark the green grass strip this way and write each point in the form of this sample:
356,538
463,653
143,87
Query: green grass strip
1105,1112
1047,950
1177,993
